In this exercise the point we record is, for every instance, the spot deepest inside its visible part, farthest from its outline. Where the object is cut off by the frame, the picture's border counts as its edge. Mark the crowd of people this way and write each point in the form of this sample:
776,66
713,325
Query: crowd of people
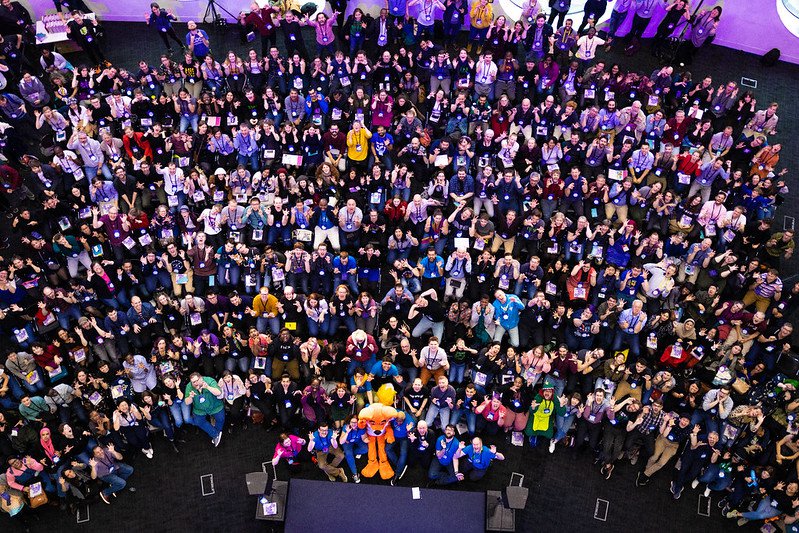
518,237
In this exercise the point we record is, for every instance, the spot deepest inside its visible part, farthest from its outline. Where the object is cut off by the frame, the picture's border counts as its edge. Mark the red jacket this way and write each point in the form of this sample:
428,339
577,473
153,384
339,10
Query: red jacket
366,351
139,142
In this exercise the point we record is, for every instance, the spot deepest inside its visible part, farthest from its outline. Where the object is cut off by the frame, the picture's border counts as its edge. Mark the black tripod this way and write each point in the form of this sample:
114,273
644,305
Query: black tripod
216,18
677,42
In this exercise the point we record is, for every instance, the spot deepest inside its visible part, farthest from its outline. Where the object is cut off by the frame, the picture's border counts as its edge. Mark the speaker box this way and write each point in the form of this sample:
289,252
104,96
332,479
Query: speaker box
788,364
771,57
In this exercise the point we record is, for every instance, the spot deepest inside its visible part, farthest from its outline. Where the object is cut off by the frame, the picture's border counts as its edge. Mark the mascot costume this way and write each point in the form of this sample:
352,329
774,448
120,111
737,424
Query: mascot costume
376,419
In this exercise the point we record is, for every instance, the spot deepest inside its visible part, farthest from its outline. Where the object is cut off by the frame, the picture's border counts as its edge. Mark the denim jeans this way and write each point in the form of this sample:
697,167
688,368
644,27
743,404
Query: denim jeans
315,329
456,372
351,450
435,411
191,120
203,423
117,479
562,426
468,415
425,324
181,413
401,460
441,474
715,478
763,511
351,282
160,419
513,335
630,339
262,323
249,160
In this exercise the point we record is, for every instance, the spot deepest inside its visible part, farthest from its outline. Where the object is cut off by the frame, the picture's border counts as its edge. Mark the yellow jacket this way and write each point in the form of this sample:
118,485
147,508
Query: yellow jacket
481,16
358,140
261,308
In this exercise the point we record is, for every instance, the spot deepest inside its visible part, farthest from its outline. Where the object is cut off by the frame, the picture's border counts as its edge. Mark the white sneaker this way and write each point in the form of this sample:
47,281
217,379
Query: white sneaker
148,453
694,483
552,444
216,440
707,493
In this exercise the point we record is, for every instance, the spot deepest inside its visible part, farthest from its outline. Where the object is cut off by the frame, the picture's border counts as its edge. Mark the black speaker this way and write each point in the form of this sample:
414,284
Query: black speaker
771,57
788,364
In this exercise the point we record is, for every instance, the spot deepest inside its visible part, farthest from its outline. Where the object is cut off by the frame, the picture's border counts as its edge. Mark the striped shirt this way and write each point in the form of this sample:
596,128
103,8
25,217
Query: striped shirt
767,289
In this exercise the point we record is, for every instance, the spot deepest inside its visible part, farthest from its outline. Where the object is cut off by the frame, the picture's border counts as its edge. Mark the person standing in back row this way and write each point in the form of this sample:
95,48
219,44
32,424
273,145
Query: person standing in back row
162,20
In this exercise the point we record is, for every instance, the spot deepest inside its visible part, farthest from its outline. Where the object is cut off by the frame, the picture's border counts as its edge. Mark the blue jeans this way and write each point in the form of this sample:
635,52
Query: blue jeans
435,411
335,322
161,420
228,277
186,121
402,460
468,415
37,387
763,511
715,478
351,450
203,423
456,372
262,322
614,22
525,289
353,365
351,282
91,172
117,480
425,324
73,312
249,160
562,426
707,419
181,413
315,329
163,279
631,339
441,474
242,364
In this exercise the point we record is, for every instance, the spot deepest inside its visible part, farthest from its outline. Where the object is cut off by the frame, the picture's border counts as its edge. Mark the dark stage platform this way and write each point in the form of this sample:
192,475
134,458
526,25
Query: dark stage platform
340,507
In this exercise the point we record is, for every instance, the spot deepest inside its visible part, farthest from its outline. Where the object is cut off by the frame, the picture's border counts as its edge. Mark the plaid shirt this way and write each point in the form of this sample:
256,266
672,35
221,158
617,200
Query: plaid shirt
651,422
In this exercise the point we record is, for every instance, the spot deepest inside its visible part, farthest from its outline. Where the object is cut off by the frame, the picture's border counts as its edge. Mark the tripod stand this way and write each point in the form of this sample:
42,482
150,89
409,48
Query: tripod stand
216,18
678,41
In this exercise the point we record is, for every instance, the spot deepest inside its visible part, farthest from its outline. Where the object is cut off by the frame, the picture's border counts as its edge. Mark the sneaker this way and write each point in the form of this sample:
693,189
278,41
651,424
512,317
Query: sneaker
694,483
677,494
733,514
404,469
641,480
608,471
105,498
148,453
358,456
356,478
217,439
742,521
393,481
552,444
706,494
